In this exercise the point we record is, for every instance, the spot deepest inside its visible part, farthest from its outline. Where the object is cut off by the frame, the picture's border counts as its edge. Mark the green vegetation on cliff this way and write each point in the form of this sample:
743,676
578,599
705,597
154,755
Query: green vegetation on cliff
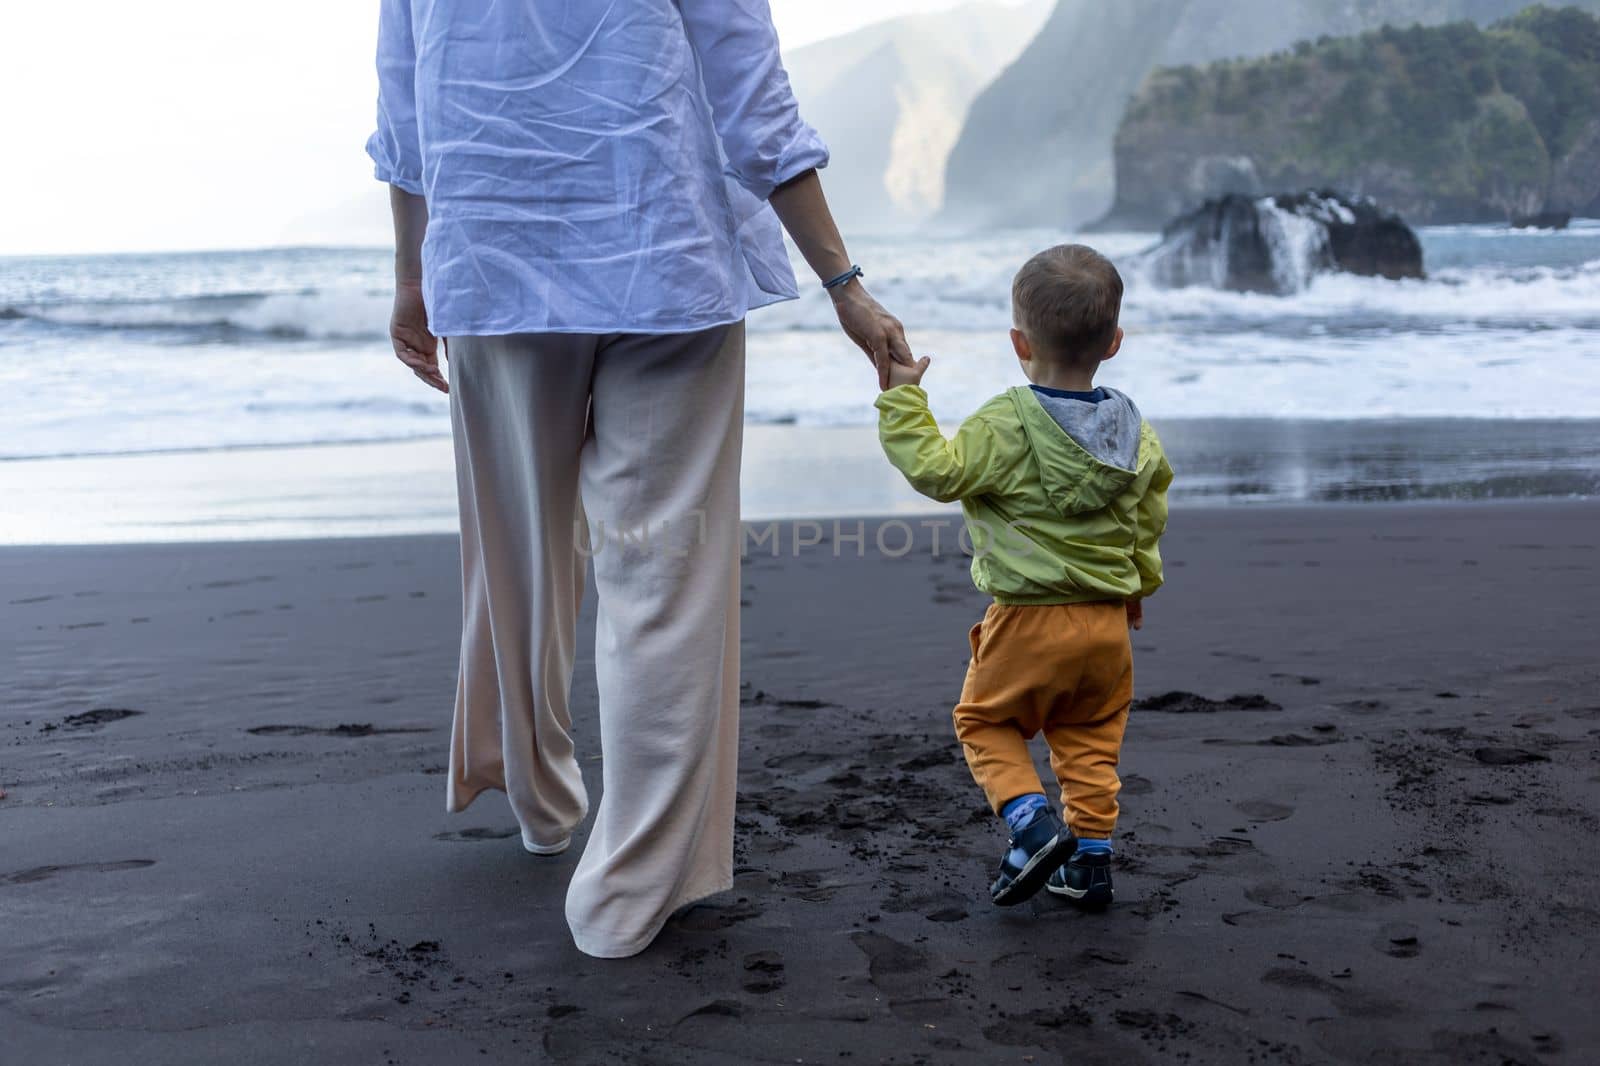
1444,123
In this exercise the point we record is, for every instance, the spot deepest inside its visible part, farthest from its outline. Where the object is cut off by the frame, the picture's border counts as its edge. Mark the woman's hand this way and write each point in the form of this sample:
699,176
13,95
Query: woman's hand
874,330
413,342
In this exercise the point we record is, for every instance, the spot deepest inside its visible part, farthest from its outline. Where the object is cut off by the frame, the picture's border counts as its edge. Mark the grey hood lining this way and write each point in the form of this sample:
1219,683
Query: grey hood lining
1108,430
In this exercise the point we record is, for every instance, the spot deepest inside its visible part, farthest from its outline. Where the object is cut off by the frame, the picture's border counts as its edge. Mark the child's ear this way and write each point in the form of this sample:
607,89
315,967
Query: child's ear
1019,342
1116,346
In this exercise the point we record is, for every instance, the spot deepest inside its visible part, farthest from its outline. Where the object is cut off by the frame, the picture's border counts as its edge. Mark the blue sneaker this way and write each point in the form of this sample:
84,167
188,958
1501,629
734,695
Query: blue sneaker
1084,880
1033,851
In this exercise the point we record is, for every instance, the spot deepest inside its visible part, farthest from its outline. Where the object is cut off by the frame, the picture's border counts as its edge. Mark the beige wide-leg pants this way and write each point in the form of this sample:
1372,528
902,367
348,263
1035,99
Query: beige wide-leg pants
624,448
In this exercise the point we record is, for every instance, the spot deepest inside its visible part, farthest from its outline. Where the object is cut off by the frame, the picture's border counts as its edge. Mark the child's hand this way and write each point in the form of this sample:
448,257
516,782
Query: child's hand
1135,614
900,374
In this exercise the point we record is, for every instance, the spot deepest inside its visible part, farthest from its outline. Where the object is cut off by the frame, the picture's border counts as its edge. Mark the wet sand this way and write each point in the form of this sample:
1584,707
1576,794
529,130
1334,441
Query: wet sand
223,833
408,487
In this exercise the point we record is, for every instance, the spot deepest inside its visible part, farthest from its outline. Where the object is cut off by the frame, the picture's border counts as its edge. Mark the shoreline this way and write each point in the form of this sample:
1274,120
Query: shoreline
786,426
790,472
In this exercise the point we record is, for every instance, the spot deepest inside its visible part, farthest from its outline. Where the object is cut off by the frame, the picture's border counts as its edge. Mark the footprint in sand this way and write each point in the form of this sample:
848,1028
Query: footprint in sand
1279,740
947,914
1047,1026
810,886
1299,740
44,873
941,756
1491,799
90,720
476,834
708,918
887,958
1134,785
361,729
1221,847
1399,940
1508,756
1267,919
800,760
805,705
1261,810
1276,895
230,583
1348,1001
764,970
1179,702
718,1012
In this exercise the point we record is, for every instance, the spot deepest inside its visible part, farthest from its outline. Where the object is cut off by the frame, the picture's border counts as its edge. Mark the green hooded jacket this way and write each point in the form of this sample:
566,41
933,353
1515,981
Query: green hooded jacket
1065,500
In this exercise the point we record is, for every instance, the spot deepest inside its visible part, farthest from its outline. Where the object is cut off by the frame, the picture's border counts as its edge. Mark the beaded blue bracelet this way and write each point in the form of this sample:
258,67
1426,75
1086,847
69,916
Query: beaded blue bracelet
853,272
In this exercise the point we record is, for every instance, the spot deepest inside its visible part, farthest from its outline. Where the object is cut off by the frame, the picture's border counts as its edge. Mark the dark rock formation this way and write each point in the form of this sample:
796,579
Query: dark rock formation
1543,220
1277,244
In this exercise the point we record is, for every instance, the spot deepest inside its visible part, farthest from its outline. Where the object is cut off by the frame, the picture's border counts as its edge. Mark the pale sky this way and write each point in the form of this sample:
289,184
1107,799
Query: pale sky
187,124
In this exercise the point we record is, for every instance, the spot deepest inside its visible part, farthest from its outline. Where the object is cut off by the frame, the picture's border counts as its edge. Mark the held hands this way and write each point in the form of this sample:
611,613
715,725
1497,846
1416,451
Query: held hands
414,343
1135,614
900,374
874,330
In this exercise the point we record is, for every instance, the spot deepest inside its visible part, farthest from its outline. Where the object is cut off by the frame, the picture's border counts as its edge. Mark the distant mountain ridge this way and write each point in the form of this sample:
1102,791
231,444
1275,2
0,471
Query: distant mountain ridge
890,99
1444,124
1037,147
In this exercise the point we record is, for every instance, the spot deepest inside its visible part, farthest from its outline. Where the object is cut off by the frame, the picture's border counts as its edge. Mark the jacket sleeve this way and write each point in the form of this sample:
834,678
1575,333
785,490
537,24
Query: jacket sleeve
944,470
752,105
394,148
1150,515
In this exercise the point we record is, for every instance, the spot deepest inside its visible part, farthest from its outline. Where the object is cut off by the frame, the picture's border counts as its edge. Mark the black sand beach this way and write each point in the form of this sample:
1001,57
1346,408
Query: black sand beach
1368,836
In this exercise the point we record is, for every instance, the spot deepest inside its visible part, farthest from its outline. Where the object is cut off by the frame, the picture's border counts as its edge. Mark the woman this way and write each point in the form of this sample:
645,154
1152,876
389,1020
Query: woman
580,198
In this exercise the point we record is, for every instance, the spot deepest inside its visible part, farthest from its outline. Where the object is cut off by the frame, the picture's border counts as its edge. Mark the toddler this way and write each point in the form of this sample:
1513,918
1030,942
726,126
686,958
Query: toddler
1063,486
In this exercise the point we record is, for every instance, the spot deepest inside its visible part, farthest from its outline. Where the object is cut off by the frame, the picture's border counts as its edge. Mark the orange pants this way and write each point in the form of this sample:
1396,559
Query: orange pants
1064,670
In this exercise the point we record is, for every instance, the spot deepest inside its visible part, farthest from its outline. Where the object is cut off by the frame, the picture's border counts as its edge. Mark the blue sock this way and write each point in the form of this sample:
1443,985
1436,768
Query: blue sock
1086,846
1019,811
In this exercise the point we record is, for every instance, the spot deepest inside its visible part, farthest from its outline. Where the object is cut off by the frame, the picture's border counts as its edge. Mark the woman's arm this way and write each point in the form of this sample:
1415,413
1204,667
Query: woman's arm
803,210
775,155
397,159
413,341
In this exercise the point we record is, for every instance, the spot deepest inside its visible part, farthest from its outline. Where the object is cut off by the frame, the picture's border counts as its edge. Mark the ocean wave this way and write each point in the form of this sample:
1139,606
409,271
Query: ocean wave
936,295
1533,297
1526,296
271,349
338,314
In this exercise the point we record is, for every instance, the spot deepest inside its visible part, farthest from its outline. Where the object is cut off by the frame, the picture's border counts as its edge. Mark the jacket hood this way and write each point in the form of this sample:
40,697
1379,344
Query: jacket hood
1087,452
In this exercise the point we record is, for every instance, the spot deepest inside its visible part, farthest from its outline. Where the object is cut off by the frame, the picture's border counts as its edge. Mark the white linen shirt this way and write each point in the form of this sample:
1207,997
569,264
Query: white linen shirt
591,166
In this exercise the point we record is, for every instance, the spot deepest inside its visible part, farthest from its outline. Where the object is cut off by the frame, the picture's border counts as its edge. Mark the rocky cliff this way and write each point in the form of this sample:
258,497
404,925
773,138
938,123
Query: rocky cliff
890,100
1037,144
1443,124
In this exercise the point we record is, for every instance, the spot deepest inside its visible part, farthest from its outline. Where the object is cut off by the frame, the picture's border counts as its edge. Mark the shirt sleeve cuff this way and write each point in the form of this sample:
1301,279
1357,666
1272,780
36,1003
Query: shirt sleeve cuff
901,398
387,169
808,154
806,151
410,185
